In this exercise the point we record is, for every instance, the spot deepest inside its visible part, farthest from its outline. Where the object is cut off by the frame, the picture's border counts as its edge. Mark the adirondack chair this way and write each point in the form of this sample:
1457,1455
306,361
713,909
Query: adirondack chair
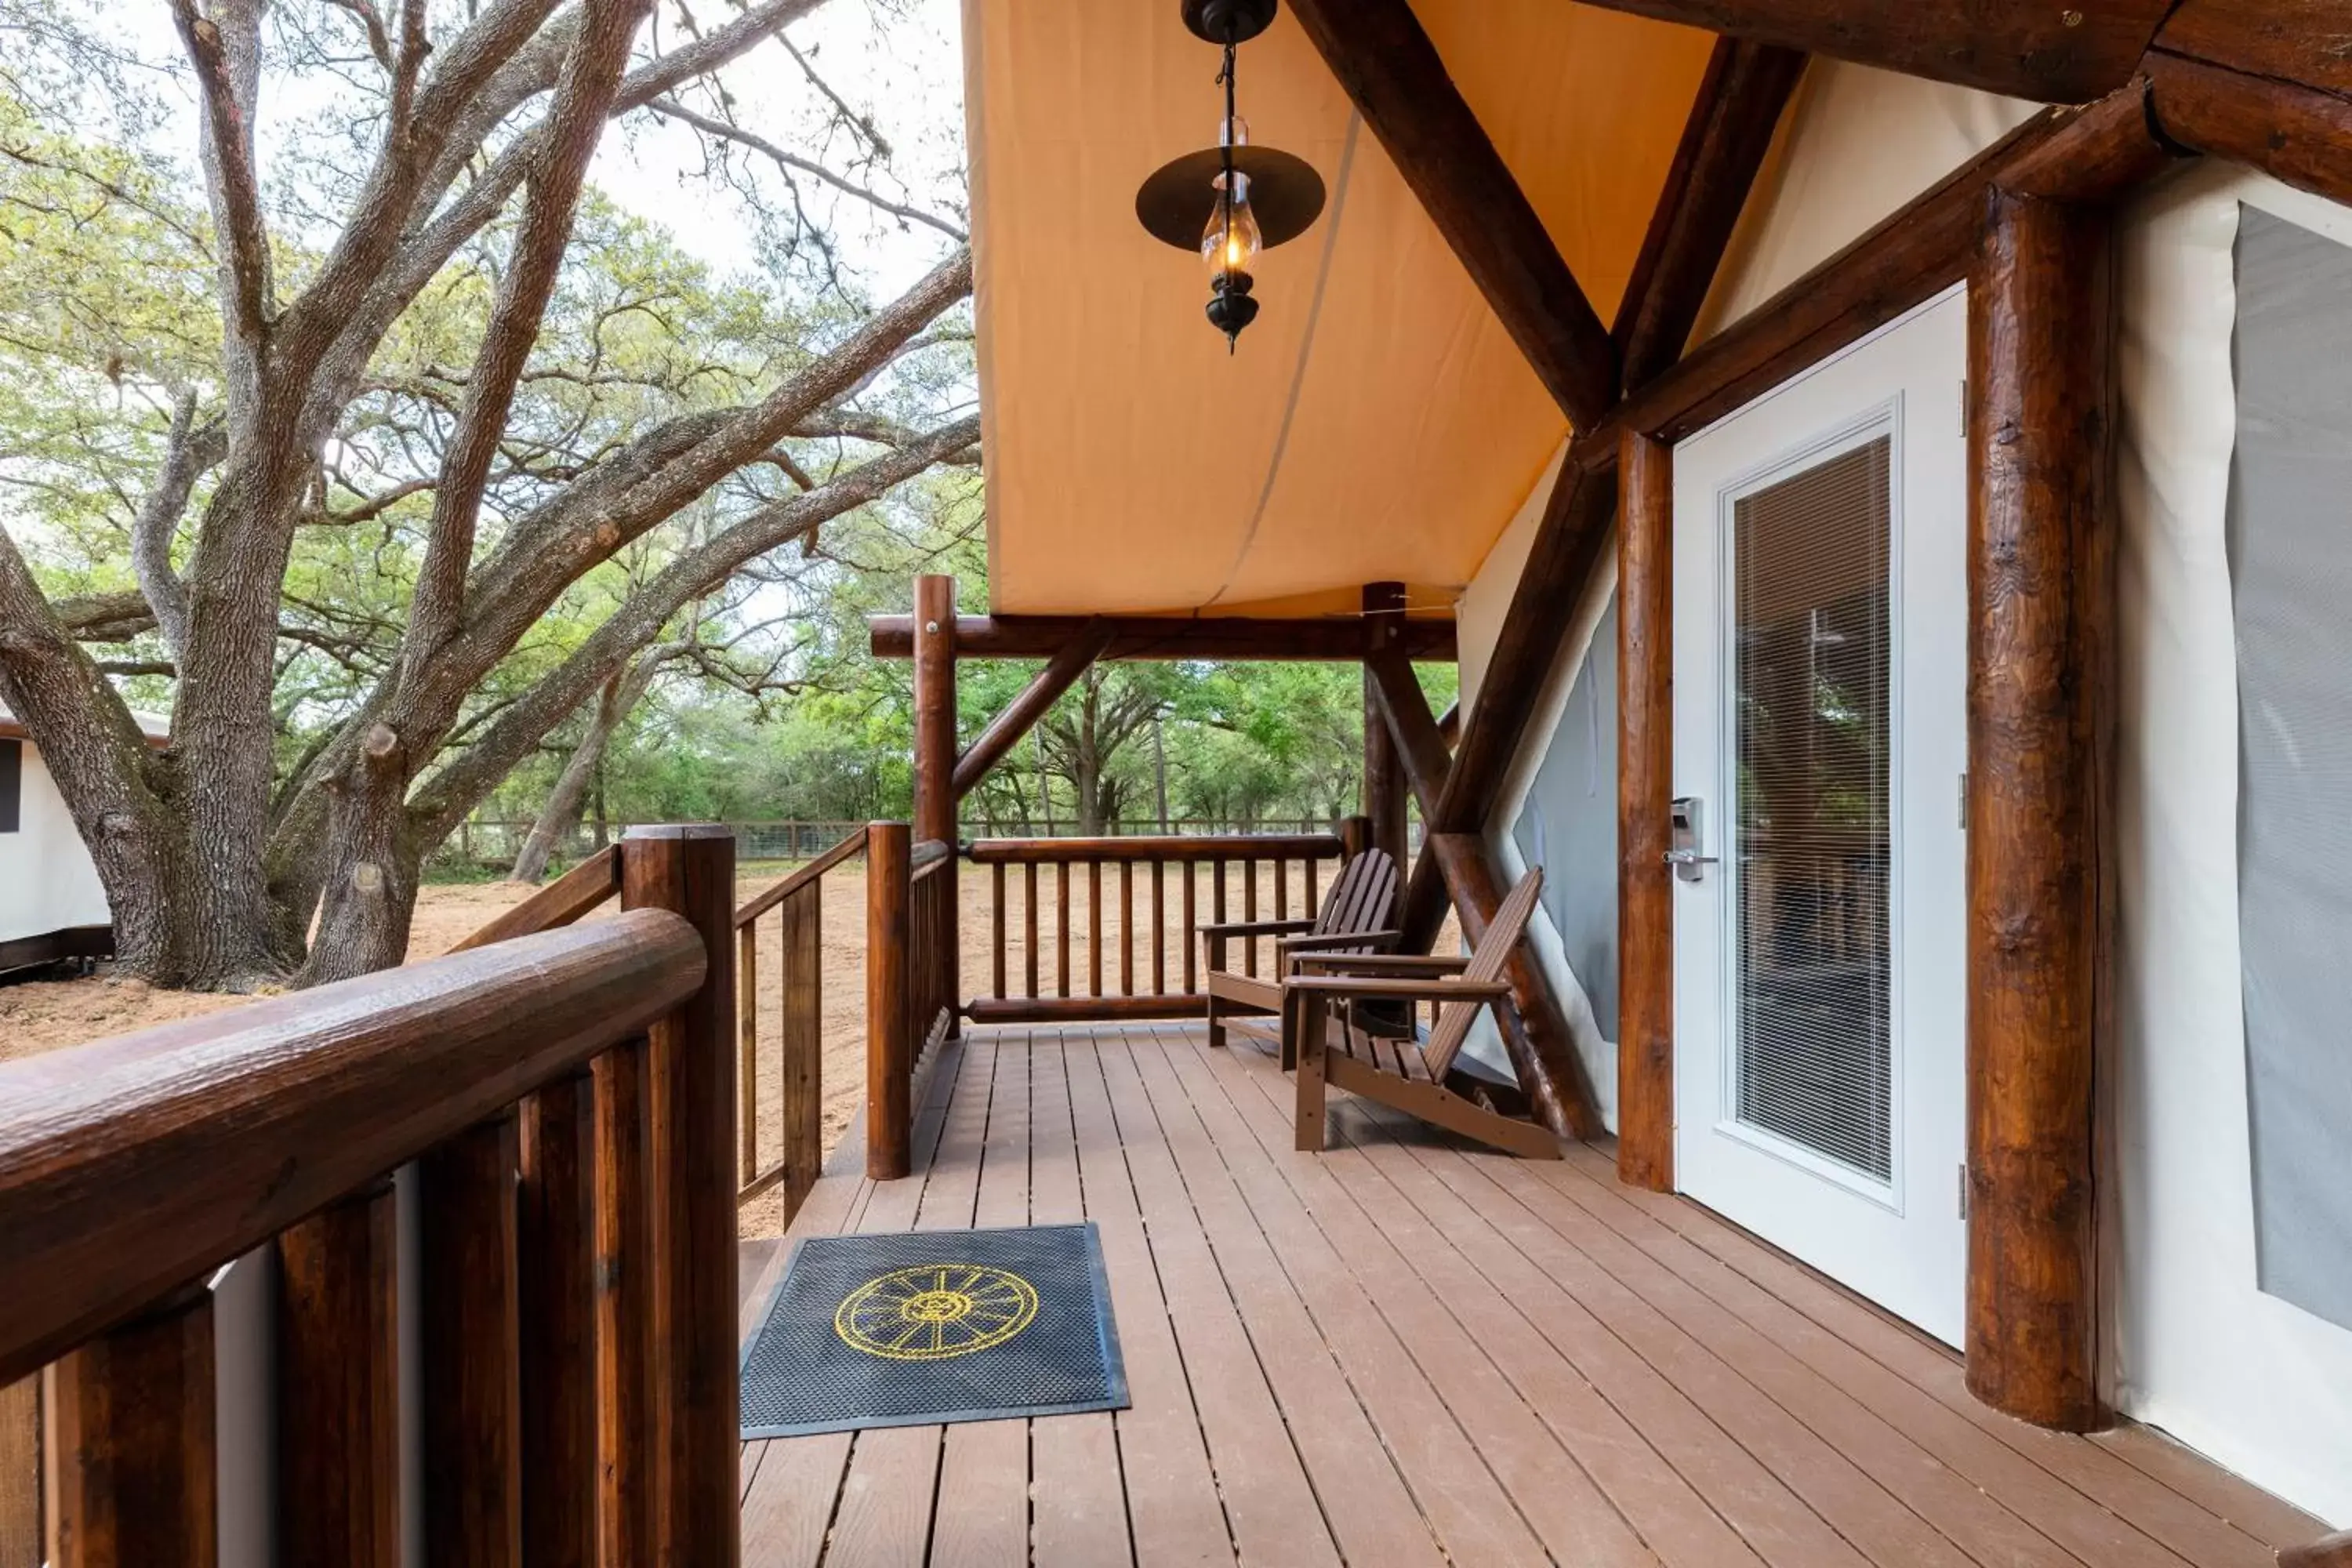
1334,1051
1354,919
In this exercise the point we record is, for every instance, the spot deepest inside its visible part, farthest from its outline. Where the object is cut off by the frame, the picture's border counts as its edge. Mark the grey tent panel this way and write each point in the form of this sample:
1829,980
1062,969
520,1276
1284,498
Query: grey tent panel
1569,825
2290,537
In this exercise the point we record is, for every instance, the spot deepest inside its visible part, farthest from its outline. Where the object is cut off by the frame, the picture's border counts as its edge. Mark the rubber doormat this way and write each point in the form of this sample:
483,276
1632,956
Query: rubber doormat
933,1326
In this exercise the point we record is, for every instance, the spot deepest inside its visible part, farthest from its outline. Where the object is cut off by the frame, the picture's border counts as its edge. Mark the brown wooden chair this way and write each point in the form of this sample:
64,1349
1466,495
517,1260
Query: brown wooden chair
1333,1051
1354,919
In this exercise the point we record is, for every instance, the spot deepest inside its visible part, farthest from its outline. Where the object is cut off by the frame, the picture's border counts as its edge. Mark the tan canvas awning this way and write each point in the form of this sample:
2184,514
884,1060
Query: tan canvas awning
1377,423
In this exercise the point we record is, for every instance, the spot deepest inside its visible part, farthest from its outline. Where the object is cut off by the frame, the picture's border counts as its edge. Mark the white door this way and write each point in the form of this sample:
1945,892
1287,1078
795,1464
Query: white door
1819,728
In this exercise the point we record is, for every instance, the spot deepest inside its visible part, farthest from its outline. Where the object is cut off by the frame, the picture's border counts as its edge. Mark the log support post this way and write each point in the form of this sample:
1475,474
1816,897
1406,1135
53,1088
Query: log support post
2041,593
689,870
1384,780
1541,1050
1645,725
935,764
889,1020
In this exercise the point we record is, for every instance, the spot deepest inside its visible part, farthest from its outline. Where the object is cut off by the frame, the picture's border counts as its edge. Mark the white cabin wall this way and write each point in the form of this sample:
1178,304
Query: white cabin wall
47,880
1854,145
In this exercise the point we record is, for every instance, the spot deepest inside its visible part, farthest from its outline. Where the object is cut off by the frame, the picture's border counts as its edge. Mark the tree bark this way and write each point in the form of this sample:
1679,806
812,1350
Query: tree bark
561,815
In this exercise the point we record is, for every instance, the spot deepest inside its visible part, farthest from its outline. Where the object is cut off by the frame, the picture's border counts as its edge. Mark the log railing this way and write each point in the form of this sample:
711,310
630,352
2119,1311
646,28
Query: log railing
546,1116
792,1054
1131,910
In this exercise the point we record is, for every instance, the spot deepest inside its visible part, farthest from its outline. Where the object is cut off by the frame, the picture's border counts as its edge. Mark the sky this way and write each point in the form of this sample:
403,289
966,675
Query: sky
899,62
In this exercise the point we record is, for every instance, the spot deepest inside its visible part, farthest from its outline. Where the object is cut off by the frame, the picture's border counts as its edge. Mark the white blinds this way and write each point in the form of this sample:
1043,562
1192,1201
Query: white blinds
1811,689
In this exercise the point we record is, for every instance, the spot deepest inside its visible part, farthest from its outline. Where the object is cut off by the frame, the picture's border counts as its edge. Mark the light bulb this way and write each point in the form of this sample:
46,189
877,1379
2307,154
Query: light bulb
1231,240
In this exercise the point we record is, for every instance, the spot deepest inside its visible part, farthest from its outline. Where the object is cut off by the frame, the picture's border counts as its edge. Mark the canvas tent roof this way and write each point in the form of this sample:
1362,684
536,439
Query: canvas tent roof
1378,423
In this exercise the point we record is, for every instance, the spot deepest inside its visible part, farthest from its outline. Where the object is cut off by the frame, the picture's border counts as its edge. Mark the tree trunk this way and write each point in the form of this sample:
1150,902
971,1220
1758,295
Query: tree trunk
561,815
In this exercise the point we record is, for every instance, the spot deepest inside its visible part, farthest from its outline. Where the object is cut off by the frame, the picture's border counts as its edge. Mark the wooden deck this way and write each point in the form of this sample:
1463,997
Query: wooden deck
1406,1351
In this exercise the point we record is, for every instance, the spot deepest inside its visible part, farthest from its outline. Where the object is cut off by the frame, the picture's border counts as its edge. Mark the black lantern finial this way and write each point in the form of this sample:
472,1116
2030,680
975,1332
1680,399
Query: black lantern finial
1232,200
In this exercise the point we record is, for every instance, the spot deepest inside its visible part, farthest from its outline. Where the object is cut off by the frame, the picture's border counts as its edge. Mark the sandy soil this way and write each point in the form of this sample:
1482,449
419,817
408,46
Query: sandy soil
46,1015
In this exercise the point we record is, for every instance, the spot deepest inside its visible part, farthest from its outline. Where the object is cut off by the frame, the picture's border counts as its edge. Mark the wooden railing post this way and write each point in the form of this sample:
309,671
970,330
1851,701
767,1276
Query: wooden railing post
889,1023
338,1385
556,1244
131,1419
1384,783
800,958
471,1331
689,870
935,761
1355,837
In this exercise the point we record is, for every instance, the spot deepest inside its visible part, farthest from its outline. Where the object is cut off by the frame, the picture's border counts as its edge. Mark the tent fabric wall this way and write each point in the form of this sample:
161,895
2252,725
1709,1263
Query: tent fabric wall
1567,825
2291,486
2197,1347
46,882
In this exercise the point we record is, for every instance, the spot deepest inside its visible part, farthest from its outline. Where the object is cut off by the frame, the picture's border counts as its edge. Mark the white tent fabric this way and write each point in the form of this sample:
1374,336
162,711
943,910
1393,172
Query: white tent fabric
2262,1385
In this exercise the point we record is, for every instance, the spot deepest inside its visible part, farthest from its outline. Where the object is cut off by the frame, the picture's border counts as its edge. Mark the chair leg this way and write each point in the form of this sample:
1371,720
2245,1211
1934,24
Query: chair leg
1291,1013
1311,1043
1216,1030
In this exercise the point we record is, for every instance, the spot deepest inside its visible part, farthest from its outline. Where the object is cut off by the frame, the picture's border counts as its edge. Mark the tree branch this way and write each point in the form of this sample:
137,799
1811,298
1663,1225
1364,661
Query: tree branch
761,144
457,788
187,454
228,91
592,73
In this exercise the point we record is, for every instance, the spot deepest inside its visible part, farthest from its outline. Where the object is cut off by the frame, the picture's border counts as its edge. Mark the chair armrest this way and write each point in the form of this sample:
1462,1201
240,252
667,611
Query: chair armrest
1371,987
1385,962
1258,928
1308,944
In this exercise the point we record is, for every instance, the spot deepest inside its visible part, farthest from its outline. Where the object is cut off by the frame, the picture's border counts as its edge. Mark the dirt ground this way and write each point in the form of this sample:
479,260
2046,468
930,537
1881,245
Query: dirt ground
44,1015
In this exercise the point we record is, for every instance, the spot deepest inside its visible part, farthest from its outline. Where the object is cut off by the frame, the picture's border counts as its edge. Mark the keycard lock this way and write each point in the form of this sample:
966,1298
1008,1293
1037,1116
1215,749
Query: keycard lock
1688,839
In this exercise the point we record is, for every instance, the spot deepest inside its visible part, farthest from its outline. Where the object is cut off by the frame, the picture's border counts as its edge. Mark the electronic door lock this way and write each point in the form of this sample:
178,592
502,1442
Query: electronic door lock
1685,857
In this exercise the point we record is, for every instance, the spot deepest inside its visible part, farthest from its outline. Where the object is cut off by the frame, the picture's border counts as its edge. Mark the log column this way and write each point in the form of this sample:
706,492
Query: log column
1645,728
1385,781
2040,598
935,761
689,870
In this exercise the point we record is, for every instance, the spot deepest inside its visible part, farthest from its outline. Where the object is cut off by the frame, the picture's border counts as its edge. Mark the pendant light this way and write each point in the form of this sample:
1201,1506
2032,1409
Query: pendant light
1234,200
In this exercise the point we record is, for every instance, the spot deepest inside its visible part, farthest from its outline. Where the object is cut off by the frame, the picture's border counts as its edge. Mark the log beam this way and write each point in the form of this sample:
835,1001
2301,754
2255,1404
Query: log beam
2040,612
1384,768
1008,729
1724,143
1401,712
2025,48
2090,154
1645,728
1393,74
1325,639
1543,1052
2299,134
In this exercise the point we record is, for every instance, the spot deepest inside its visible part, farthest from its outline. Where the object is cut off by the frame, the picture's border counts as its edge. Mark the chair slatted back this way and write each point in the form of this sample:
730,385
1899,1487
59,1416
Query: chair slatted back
1361,899
1486,961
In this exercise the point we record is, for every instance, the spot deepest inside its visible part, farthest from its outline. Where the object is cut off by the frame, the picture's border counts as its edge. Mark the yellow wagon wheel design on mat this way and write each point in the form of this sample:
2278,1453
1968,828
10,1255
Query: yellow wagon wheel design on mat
936,1312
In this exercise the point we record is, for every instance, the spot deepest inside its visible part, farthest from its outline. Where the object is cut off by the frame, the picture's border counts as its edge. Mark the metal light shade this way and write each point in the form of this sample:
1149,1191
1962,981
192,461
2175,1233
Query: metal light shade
1285,192
1228,21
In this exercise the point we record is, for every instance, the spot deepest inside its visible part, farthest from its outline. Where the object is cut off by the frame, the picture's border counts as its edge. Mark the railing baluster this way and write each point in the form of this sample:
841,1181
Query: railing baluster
1062,917
1029,930
555,1240
1191,928
1307,868
997,926
1249,913
135,1468
20,1473
338,1385
1281,888
801,951
470,1348
629,1426
689,870
1158,931
1093,928
1126,928
747,1049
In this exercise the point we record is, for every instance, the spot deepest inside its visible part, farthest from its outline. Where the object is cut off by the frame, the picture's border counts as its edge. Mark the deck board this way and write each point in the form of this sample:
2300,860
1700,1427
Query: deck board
1408,1349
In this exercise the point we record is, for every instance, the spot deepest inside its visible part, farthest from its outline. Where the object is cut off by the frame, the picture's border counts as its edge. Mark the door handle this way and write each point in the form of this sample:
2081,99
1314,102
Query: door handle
1688,863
